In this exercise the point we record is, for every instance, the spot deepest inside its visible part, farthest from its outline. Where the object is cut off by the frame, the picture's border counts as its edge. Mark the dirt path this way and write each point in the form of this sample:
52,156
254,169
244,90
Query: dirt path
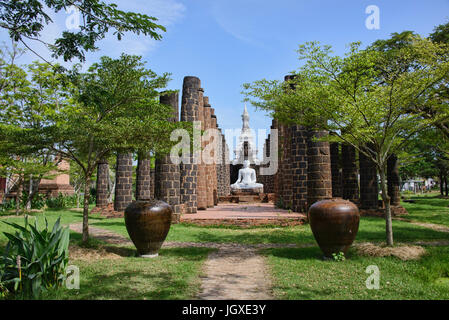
436,227
235,274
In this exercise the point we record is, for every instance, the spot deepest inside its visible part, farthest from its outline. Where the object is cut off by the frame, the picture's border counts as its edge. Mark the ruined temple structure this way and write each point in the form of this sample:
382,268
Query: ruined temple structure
309,169
187,187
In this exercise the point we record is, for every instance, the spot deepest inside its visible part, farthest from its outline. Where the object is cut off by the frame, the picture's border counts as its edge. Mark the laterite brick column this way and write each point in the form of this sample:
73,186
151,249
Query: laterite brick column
335,169
209,167
319,179
143,177
277,176
368,183
214,156
281,167
102,184
167,176
287,177
124,181
393,180
201,186
152,175
227,168
189,171
350,185
299,168
221,168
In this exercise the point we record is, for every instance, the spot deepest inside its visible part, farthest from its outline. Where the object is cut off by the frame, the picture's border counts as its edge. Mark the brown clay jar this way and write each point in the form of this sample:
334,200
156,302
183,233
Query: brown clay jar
148,223
334,223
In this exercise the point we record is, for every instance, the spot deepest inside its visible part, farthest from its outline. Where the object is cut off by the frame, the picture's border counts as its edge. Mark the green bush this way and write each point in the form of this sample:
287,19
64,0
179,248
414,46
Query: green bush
8,205
63,202
60,202
34,260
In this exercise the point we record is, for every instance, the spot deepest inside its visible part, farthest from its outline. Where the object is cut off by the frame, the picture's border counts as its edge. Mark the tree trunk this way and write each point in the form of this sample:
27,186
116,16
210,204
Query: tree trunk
386,200
19,194
34,187
441,183
86,210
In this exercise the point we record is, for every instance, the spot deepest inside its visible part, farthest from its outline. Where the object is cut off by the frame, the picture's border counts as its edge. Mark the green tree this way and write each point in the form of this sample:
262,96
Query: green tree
23,100
426,156
437,108
361,99
25,20
115,107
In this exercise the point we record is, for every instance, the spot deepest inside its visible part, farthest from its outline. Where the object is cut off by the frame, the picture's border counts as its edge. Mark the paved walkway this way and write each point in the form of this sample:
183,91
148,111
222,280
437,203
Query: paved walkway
243,211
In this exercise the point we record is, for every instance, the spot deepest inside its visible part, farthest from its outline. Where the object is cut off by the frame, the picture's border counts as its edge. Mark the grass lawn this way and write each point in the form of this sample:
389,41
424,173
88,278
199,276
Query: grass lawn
175,274
371,229
299,273
428,208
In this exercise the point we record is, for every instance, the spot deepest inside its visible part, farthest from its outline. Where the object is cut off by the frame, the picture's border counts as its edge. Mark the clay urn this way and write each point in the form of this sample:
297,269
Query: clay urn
334,223
148,223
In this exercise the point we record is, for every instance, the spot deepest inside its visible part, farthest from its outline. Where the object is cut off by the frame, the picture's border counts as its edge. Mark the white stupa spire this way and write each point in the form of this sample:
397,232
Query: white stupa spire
245,119
245,141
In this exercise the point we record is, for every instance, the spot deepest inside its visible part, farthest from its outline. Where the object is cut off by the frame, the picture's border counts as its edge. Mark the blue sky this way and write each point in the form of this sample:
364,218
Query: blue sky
229,42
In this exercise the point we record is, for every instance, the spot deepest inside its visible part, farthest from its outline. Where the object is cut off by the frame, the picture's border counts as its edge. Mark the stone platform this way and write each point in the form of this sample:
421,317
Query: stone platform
247,191
244,215
248,198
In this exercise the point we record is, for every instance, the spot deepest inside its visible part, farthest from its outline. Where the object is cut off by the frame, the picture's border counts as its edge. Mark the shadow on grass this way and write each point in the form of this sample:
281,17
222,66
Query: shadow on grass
169,276
252,238
308,253
434,201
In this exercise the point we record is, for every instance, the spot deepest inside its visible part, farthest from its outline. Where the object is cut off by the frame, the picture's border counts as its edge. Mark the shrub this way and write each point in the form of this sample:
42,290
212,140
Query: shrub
34,260
8,205
59,202
63,202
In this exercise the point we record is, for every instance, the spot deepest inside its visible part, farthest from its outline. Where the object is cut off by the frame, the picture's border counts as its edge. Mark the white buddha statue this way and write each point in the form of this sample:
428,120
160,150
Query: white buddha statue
247,179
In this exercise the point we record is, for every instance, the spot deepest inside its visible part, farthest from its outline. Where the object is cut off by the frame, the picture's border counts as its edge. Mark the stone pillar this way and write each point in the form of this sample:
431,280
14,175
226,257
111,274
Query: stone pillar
335,169
214,156
221,167
189,171
167,176
368,183
286,160
124,181
152,175
393,179
278,174
209,170
227,169
143,177
281,167
299,169
350,186
102,184
287,177
319,179
201,185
